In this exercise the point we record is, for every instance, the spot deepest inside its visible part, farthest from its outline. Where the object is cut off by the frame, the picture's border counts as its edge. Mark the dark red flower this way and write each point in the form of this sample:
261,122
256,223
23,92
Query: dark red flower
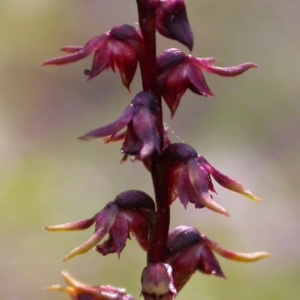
178,72
189,251
118,48
188,177
172,22
129,212
80,291
141,137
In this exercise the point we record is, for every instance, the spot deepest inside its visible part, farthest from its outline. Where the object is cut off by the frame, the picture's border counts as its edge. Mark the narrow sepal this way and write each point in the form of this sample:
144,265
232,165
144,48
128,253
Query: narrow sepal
78,225
225,71
113,128
76,52
236,256
226,181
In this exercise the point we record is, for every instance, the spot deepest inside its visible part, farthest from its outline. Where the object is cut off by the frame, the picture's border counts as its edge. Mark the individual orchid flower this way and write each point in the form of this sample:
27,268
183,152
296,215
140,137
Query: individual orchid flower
118,48
189,251
129,212
172,21
189,178
141,136
80,291
157,282
178,72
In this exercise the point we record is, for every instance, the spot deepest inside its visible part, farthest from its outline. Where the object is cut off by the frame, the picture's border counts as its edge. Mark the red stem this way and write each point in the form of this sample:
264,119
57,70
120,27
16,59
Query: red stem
160,227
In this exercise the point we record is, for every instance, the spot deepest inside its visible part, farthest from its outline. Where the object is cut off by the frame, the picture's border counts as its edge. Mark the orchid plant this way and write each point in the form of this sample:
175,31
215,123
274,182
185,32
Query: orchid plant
177,170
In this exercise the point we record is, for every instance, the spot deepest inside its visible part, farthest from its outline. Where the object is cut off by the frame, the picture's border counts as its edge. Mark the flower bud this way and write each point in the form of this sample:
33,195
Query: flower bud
157,282
172,21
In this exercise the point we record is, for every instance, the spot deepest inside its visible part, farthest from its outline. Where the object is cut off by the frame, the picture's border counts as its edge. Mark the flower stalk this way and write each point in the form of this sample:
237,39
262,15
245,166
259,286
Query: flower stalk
177,171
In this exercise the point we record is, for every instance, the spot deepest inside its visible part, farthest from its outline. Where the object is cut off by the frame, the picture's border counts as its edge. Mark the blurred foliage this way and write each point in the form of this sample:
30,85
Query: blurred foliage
251,131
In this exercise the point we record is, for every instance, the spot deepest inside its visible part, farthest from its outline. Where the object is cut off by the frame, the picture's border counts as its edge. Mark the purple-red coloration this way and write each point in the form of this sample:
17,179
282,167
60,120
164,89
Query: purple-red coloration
177,171
172,22
131,211
141,137
178,72
118,48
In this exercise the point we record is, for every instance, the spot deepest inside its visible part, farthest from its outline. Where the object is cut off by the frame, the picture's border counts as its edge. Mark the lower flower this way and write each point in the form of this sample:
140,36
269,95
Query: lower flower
80,291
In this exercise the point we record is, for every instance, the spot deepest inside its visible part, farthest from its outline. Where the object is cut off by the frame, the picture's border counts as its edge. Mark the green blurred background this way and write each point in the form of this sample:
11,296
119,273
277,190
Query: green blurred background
250,132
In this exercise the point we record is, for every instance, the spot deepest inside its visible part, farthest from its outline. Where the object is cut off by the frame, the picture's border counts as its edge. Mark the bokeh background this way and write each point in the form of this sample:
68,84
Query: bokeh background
250,132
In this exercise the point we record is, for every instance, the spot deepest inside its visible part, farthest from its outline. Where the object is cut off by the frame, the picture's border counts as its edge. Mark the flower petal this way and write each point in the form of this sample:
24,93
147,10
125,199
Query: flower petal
198,83
185,189
145,128
118,235
199,178
139,227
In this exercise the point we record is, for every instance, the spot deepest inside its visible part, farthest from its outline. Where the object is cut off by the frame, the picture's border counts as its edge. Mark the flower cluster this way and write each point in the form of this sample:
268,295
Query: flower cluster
177,170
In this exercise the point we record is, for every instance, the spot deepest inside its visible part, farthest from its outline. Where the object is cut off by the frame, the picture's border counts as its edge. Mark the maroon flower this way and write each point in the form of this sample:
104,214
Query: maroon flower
118,48
172,21
129,212
188,177
141,137
80,291
177,72
157,282
189,251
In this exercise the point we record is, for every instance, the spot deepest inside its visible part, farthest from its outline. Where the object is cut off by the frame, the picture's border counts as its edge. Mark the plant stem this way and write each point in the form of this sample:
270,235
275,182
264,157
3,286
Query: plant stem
160,226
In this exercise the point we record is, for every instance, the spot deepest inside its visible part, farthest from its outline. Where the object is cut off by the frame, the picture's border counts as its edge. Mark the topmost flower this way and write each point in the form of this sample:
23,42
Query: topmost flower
118,48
